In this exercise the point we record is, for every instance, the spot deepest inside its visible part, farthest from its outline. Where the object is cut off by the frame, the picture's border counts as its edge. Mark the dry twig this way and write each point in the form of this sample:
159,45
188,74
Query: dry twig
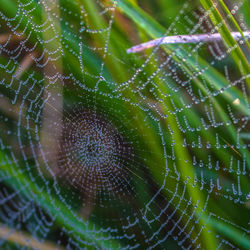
204,38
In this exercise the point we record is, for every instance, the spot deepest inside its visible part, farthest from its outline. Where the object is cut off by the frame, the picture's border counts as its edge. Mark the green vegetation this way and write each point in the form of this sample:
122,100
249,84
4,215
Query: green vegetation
159,100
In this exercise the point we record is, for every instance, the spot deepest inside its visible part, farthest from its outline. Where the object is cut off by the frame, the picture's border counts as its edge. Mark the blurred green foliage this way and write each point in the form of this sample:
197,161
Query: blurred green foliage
135,22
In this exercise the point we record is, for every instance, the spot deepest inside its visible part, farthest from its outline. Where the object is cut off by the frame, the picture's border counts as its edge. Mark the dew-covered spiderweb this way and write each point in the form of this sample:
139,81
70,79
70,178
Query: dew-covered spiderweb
104,149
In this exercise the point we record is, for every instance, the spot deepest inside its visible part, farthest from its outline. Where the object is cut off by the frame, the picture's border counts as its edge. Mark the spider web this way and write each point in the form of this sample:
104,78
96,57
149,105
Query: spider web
108,150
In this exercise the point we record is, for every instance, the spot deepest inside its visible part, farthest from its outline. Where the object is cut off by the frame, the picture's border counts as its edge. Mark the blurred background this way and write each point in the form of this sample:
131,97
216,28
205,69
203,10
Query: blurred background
105,149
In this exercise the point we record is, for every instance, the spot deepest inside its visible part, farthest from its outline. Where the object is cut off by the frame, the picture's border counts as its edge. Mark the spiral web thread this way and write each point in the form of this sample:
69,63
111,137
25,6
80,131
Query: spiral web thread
91,156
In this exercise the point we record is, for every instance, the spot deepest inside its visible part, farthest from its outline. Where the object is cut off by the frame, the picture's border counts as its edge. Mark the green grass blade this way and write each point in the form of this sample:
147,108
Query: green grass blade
230,232
63,214
234,21
153,29
236,52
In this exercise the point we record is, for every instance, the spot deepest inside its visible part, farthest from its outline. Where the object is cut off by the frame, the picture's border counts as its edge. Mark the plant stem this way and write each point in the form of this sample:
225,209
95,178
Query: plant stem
197,38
